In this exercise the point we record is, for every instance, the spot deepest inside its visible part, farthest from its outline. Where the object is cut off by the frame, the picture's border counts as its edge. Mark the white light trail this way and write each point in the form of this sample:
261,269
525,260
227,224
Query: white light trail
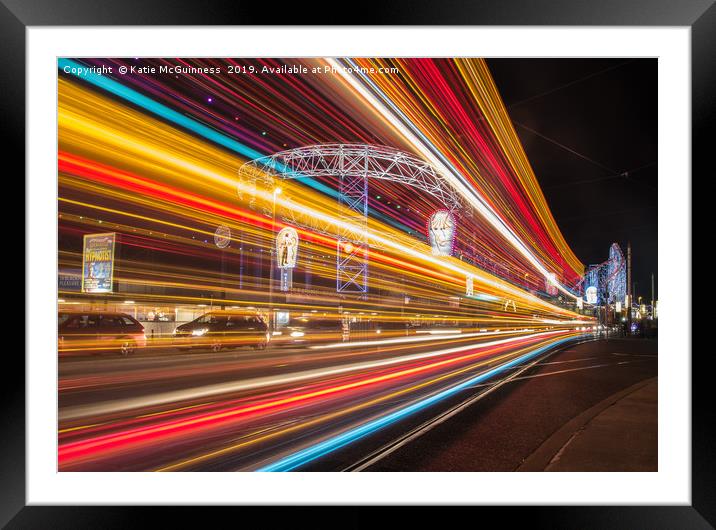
122,405
443,166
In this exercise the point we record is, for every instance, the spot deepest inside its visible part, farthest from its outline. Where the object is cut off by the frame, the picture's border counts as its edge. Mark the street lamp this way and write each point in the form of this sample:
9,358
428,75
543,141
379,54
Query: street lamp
276,192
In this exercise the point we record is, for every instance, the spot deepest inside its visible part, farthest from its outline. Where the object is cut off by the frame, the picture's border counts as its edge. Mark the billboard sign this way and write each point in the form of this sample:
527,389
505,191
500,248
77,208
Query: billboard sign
98,263
441,232
287,248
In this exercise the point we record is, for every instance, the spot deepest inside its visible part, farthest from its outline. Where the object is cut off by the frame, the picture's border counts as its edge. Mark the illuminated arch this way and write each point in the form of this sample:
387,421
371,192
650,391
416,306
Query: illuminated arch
353,165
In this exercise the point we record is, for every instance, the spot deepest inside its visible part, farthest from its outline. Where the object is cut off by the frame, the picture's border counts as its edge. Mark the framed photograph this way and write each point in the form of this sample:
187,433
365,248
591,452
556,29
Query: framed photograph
415,260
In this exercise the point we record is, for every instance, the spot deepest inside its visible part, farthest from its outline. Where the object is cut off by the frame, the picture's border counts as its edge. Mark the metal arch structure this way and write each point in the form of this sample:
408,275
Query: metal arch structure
370,161
353,165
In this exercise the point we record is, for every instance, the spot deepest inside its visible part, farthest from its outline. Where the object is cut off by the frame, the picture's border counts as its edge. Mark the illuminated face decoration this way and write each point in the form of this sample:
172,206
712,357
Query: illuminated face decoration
591,294
441,232
286,248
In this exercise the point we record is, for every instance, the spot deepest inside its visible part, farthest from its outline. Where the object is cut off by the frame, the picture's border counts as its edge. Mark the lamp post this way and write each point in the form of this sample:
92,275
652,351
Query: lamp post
272,316
222,239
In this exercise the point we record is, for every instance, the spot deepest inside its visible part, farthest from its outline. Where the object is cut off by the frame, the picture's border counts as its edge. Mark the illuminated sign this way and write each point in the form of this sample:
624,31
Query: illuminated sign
441,232
287,248
69,280
222,236
591,294
619,307
98,263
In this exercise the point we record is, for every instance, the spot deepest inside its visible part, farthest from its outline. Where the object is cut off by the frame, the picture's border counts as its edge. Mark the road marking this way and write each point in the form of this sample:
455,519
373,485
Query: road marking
569,361
633,354
572,370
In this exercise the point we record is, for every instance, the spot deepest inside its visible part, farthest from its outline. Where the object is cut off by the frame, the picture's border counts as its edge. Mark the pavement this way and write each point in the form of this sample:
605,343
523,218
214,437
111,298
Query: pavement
617,434
591,407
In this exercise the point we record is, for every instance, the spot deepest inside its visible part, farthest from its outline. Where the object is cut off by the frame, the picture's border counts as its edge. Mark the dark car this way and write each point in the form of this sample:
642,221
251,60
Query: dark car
86,332
310,330
223,329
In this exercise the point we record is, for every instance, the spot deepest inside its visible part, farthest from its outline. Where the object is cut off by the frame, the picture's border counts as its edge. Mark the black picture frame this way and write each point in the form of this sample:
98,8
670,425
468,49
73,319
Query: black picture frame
699,15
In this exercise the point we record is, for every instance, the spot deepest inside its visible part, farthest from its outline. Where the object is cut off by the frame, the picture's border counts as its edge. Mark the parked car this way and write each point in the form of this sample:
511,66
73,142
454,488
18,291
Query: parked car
96,332
223,329
310,330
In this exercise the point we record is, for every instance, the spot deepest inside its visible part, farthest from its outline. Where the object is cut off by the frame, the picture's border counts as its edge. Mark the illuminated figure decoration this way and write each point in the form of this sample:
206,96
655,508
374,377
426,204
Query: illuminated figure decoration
469,286
510,303
616,275
591,294
287,248
441,231
222,236
286,251
550,286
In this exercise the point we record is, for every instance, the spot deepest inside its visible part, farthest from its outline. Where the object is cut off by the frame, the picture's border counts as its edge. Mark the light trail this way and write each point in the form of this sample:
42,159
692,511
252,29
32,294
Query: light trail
319,450
104,446
446,169
94,170
114,407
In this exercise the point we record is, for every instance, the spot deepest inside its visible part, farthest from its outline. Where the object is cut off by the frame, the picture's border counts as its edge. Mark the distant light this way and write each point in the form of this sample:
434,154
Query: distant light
128,302
263,133
201,305
209,100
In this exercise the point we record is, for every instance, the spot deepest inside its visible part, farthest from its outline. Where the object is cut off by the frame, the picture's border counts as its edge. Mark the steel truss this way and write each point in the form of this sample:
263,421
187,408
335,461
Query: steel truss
353,165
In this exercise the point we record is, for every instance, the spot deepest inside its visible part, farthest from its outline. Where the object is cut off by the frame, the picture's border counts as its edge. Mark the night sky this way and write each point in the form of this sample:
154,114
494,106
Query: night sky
589,127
